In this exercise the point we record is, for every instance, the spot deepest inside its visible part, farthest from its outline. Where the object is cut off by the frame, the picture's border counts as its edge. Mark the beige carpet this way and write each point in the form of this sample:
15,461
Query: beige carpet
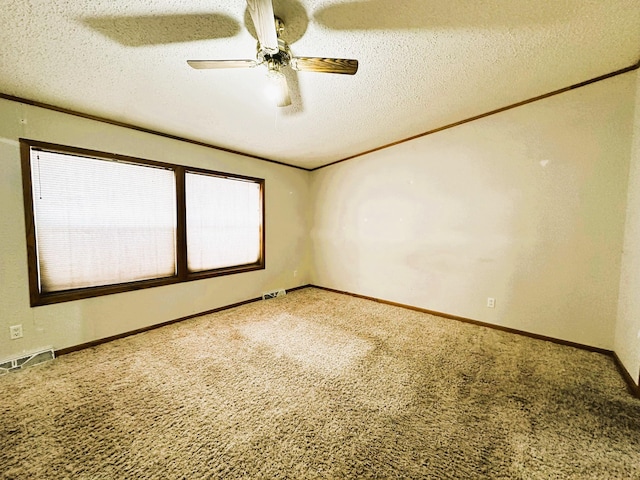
320,385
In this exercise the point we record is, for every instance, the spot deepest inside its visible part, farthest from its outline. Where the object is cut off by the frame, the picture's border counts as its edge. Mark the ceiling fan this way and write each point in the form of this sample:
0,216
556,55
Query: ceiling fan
275,54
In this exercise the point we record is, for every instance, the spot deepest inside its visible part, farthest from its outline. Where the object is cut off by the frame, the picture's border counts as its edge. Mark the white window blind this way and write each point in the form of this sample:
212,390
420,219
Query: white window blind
101,222
224,222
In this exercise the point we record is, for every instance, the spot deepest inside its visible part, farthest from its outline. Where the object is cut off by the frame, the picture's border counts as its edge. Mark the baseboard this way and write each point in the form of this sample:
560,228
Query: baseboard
631,384
93,343
474,322
633,388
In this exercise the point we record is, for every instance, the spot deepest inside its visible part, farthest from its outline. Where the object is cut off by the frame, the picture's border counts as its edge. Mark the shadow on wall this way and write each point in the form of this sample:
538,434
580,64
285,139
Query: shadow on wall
417,14
143,30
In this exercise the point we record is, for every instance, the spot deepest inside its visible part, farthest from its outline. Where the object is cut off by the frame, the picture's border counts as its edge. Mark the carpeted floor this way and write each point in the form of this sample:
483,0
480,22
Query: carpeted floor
320,385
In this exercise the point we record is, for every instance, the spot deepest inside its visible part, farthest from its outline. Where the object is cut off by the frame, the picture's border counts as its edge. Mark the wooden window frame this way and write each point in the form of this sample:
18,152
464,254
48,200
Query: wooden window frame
38,298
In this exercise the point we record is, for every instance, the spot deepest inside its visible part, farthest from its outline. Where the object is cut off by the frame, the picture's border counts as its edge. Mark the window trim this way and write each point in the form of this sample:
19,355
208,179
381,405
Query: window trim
38,298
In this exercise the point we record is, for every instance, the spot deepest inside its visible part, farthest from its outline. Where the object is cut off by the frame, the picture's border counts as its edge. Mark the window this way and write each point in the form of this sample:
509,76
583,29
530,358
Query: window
100,223
222,212
88,234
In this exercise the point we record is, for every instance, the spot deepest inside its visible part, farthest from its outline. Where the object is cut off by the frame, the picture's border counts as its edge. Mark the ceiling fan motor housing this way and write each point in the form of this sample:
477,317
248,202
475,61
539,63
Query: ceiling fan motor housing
278,60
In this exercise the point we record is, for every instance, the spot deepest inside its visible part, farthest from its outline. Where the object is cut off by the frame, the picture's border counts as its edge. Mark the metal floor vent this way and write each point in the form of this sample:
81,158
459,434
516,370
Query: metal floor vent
275,293
26,360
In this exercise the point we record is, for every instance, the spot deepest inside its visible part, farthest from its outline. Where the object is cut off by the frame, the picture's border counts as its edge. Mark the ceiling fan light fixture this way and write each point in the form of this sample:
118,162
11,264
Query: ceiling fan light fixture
276,87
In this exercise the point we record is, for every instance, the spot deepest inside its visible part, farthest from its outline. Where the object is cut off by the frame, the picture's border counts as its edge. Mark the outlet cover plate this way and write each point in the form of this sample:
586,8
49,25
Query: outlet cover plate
15,332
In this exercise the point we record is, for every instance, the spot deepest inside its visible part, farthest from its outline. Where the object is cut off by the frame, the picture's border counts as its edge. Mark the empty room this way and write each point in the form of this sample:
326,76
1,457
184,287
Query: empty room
320,239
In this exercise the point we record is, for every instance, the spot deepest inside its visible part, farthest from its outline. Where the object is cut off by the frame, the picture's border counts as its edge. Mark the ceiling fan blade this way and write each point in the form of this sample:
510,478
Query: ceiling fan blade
264,20
205,64
297,101
325,65
285,98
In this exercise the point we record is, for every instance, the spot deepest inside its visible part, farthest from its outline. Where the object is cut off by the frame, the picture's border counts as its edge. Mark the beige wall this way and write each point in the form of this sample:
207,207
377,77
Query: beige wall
627,336
527,206
77,322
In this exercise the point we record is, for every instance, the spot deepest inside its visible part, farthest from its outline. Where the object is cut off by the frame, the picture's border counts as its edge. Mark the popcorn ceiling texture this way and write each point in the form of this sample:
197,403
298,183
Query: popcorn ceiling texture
320,385
422,65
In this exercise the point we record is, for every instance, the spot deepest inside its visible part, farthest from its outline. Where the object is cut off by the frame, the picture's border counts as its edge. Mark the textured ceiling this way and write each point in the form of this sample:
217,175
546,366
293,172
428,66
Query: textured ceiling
423,64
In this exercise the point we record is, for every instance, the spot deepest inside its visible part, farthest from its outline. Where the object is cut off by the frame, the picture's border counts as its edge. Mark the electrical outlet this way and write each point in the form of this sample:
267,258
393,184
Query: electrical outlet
491,302
295,273
15,332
